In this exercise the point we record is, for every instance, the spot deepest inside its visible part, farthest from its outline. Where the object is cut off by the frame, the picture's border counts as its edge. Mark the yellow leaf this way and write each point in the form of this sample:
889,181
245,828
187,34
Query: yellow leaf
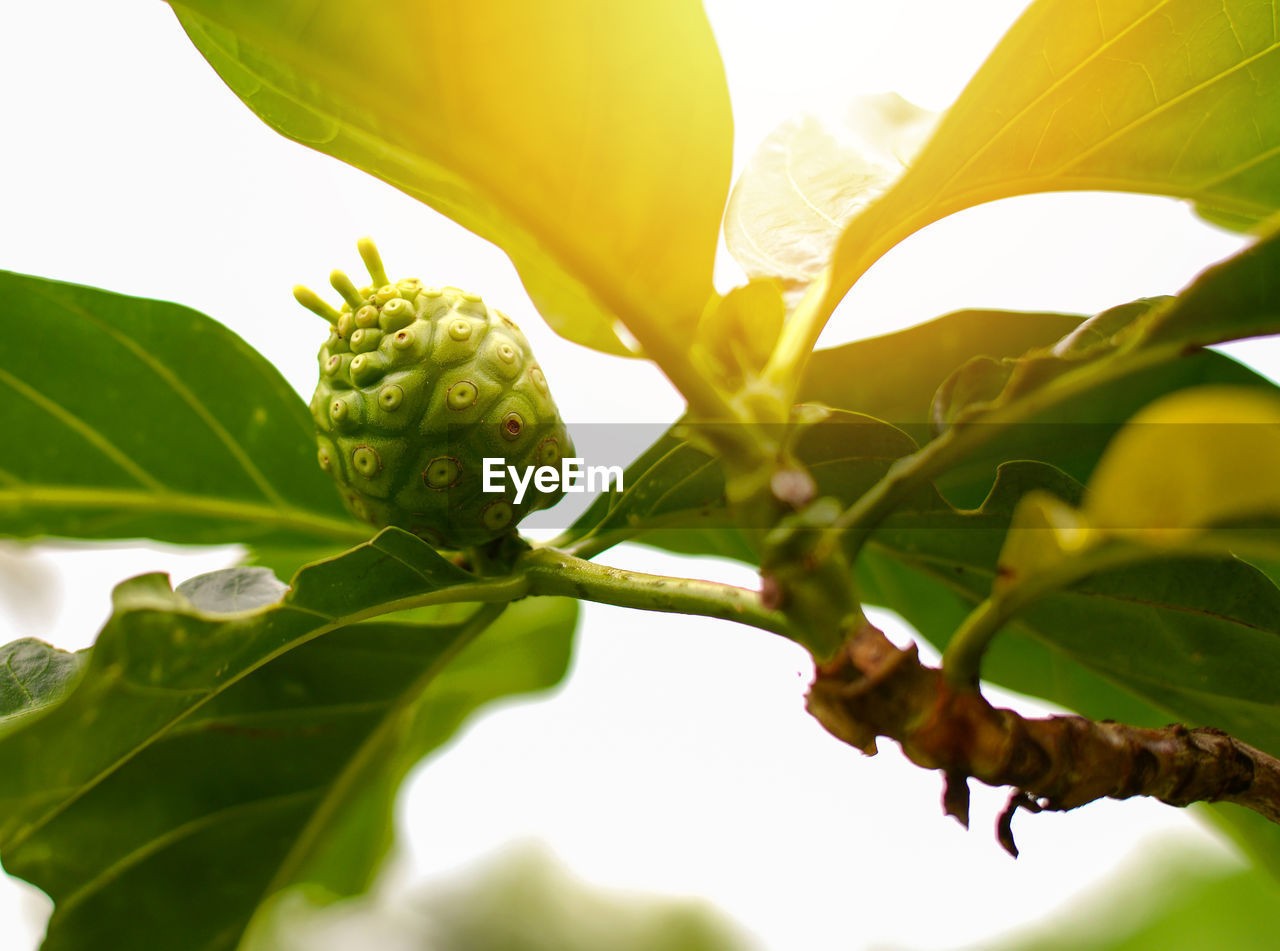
1044,532
1165,97
739,330
591,141
1188,461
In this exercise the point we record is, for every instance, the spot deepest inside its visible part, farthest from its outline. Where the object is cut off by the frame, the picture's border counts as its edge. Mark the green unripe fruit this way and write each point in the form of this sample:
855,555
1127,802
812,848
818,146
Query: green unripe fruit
418,386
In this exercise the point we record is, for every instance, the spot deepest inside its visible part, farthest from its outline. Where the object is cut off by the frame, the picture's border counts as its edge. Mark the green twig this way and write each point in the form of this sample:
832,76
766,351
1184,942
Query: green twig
552,572
799,336
962,660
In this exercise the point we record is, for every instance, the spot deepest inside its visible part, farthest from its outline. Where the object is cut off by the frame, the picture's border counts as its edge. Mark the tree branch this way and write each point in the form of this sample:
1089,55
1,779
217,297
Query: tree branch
871,688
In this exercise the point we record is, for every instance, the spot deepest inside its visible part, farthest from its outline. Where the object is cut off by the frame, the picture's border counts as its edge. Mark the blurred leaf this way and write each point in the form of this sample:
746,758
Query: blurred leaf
520,900
1242,224
591,142
525,902
1171,902
809,178
1177,97
738,331
206,760
33,674
1257,837
1044,533
1223,443
140,418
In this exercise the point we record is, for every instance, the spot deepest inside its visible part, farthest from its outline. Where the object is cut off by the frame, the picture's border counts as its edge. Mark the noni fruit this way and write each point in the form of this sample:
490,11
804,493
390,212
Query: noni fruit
418,386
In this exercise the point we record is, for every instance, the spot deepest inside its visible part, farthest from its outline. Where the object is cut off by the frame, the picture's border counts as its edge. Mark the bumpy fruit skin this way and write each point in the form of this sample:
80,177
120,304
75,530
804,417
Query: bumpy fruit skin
417,386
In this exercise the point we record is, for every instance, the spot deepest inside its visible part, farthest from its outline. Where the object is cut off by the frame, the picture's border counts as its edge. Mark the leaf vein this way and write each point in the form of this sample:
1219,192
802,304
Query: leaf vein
91,435
1129,127
1046,92
8,666
238,452
164,501
174,836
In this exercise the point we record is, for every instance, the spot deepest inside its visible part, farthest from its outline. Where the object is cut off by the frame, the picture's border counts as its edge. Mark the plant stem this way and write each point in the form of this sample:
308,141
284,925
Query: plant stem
962,660
799,335
964,437
552,572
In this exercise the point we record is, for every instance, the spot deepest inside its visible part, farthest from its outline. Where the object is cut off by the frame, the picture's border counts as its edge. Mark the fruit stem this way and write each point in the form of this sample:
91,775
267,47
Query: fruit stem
553,572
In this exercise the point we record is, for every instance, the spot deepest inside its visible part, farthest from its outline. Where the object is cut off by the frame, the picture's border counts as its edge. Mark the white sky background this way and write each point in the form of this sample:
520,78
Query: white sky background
678,756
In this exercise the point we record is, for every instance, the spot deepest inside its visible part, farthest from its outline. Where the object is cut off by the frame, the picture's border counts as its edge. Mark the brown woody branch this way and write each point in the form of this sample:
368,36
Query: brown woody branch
872,688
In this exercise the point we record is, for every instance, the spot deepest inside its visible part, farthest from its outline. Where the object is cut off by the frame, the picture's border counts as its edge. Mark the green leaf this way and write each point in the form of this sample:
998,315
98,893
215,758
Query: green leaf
1230,301
34,674
1167,97
1198,638
140,418
1238,298
894,377
982,384
1003,408
674,494
207,760
591,142
232,590
1222,442
1170,902
524,900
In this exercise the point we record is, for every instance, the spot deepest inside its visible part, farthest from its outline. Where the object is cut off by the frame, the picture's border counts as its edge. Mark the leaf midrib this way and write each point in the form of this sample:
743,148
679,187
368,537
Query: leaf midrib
463,636
167,502
518,583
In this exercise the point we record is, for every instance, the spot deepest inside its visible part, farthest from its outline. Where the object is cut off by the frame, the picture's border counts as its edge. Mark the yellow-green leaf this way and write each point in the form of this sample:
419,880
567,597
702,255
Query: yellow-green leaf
738,331
1043,532
1167,97
590,141
1190,460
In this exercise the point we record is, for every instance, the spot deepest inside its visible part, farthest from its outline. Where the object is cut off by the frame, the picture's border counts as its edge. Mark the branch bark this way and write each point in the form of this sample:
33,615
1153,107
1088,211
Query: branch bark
872,688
